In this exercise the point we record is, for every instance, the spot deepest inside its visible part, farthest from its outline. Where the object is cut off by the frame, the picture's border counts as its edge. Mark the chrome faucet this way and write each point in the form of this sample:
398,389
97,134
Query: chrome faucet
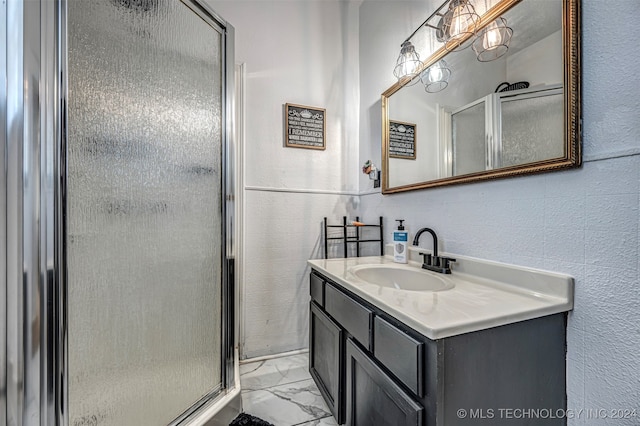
433,263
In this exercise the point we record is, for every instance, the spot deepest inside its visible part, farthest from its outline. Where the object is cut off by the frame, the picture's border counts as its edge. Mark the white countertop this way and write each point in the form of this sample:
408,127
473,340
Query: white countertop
485,294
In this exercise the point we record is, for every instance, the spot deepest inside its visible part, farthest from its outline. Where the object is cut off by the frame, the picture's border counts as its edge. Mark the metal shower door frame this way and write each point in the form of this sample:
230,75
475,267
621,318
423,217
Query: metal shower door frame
33,95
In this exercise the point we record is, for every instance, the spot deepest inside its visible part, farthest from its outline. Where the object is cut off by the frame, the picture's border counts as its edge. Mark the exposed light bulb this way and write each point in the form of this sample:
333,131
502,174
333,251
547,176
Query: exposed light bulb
493,41
458,23
436,77
410,65
408,61
435,74
492,37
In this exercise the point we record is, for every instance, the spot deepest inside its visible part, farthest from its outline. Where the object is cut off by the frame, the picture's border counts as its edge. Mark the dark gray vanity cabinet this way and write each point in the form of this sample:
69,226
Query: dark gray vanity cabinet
325,361
373,398
373,370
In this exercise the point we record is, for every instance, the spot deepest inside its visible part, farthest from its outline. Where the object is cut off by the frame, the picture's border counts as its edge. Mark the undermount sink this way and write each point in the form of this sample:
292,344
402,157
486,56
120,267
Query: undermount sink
401,278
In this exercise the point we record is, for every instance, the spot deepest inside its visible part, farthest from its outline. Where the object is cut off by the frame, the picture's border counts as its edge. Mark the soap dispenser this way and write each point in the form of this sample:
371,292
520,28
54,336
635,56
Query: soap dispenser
400,239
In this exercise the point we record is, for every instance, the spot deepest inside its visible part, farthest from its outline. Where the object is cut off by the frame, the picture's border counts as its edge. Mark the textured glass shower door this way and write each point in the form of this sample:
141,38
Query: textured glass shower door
469,140
532,128
144,215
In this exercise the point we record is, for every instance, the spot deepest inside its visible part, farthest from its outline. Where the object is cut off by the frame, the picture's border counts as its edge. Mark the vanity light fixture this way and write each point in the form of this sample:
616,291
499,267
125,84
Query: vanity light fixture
436,77
408,63
493,40
457,25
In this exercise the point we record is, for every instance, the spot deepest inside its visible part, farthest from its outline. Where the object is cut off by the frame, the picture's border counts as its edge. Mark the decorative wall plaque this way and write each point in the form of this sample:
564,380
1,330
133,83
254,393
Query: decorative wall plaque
304,126
402,140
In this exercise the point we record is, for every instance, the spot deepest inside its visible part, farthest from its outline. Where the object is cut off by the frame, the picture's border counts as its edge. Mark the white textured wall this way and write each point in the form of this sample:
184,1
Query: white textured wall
540,63
584,222
282,231
303,52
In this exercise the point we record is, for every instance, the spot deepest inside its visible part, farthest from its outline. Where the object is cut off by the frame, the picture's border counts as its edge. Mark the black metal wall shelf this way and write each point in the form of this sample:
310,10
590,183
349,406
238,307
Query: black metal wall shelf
352,238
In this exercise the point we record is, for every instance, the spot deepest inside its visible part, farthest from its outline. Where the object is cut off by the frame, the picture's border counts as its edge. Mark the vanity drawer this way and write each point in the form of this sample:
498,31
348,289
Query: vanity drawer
316,288
354,317
399,353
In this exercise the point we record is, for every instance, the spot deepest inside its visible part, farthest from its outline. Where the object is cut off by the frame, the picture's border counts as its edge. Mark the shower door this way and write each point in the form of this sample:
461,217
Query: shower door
468,139
143,211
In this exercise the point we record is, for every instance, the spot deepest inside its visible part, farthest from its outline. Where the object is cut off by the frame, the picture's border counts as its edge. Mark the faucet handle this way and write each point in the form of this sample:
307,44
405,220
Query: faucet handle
426,258
445,262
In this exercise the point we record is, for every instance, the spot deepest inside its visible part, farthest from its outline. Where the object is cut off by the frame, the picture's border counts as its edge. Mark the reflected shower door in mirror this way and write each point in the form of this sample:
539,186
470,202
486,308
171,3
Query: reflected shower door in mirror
516,113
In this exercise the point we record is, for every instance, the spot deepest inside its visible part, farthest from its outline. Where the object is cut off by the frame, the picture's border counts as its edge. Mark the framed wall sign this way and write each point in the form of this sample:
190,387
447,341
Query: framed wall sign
402,140
304,126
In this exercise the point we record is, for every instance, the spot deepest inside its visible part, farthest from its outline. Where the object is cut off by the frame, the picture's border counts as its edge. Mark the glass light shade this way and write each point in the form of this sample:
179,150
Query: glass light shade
493,41
408,63
436,77
458,23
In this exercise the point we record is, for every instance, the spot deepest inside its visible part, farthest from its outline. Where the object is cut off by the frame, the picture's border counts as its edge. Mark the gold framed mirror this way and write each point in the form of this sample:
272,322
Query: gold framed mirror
515,114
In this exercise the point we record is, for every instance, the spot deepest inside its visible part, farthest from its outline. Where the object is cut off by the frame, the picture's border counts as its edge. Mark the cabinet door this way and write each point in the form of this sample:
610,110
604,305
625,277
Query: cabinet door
326,358
400,353
316,288
373,398
355,317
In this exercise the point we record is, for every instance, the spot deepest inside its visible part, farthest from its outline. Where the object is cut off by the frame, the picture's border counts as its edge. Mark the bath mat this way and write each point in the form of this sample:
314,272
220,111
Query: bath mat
247,420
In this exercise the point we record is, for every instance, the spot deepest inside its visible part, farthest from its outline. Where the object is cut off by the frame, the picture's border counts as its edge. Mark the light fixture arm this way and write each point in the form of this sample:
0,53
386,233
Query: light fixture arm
426,21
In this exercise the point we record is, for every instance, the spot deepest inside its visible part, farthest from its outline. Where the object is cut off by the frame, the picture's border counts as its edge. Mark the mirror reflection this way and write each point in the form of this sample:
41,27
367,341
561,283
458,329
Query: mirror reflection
488,102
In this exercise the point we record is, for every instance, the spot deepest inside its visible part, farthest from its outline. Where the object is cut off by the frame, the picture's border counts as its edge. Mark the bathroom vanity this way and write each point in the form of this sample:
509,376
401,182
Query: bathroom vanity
484,345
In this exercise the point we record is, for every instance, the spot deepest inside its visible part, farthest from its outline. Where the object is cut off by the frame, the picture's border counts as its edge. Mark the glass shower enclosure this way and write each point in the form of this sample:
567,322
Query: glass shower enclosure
118,257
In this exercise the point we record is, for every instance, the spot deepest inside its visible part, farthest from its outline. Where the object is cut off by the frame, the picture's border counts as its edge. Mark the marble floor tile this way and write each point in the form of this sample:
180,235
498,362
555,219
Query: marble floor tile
287,405
273,372
325,421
